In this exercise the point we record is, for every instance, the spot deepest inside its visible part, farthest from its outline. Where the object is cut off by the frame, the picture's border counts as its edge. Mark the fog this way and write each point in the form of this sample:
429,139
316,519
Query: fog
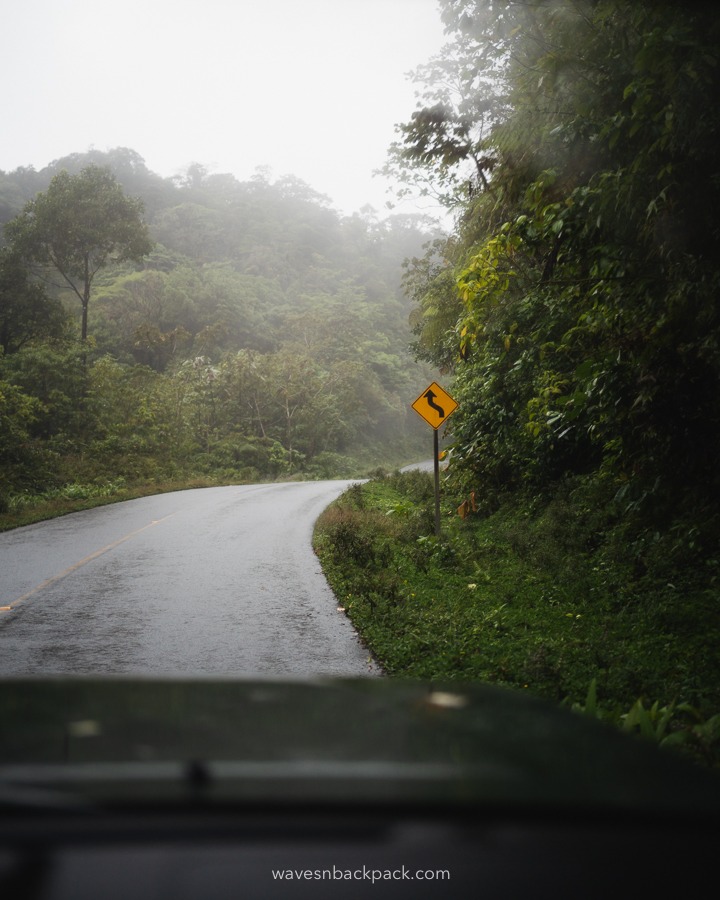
312,88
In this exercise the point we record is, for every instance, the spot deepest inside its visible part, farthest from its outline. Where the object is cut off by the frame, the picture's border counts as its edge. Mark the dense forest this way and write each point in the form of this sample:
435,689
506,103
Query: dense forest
576,302
156,329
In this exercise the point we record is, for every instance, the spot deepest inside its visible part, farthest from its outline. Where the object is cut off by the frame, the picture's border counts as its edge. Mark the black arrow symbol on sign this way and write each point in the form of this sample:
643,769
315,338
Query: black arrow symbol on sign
430,396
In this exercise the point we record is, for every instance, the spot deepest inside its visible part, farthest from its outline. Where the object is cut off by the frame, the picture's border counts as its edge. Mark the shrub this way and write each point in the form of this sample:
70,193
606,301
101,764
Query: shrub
347,536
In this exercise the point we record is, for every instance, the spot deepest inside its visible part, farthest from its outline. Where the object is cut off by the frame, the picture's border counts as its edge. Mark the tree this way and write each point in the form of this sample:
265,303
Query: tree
81,224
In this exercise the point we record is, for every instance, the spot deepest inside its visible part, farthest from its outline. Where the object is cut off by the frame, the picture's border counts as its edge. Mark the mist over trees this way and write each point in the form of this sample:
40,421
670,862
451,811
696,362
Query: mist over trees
240,329
81,224
576,302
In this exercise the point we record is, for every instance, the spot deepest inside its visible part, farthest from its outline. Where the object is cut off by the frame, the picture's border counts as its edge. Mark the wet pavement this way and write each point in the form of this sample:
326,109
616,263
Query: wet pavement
217,581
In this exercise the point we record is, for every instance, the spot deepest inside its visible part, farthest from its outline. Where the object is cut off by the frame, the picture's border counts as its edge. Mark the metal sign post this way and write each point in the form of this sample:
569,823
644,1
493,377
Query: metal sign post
435,405
436,470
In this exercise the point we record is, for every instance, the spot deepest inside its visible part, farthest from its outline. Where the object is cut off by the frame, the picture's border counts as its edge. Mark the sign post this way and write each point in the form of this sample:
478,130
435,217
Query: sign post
435,405
436,470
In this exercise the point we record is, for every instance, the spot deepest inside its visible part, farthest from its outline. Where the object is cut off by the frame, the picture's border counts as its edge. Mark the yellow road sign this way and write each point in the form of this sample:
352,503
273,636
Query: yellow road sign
434,405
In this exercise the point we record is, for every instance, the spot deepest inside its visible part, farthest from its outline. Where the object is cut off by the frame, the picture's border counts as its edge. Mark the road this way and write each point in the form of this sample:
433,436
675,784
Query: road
217,581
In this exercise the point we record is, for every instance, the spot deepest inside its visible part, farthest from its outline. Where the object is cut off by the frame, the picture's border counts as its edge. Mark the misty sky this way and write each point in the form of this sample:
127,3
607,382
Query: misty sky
307,87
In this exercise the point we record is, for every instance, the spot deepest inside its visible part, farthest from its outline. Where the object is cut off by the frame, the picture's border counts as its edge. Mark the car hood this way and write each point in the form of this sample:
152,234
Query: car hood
365,741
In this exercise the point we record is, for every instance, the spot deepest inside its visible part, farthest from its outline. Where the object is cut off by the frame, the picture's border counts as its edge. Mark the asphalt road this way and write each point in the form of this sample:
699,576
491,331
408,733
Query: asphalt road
218,581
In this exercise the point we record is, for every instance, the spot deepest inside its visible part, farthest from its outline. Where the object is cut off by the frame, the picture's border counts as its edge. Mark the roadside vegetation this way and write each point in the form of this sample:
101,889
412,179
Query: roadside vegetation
543,596
26,508
86,485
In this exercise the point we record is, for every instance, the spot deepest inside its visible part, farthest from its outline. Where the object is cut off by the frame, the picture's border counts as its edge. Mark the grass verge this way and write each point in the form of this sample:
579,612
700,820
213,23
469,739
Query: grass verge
534,599
26,509
85,485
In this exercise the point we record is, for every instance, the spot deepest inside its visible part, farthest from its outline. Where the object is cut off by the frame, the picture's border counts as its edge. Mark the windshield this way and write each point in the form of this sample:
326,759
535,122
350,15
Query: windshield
319,484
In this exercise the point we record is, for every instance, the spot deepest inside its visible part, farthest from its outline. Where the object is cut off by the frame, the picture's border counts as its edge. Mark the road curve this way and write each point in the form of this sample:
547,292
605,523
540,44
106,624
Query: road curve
216,581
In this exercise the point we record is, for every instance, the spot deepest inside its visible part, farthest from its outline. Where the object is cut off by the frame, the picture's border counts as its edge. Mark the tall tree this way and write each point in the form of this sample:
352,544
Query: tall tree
81,224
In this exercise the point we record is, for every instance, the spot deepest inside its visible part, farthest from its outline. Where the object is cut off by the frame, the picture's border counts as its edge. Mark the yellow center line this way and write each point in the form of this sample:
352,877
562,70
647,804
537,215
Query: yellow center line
80,564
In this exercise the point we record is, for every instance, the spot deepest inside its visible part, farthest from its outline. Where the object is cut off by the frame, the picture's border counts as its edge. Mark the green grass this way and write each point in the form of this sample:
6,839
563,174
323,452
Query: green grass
27,508
85,483
537,599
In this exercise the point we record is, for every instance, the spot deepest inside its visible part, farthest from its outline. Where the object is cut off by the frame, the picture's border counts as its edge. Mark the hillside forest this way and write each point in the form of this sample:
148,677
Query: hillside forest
576,303
157,329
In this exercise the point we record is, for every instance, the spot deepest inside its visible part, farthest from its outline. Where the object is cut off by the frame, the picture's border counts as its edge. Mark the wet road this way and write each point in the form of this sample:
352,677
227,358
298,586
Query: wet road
218,581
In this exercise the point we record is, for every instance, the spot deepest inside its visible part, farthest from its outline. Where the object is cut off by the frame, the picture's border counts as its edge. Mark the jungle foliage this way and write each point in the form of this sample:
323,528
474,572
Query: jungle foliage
576,303
238,330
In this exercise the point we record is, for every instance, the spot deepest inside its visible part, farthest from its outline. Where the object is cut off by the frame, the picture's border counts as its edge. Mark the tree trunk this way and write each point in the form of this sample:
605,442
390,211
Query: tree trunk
85,300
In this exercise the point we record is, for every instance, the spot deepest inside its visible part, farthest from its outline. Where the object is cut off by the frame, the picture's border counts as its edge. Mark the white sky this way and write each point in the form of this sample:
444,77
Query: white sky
311,88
